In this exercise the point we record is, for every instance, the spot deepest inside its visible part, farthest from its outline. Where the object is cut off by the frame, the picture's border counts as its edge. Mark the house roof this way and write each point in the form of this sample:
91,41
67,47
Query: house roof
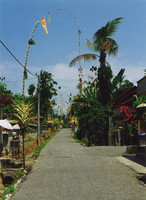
16,126
5,124
141,79
126,97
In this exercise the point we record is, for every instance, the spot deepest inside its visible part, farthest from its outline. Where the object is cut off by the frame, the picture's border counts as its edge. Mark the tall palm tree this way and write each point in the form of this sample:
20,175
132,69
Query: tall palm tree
104,45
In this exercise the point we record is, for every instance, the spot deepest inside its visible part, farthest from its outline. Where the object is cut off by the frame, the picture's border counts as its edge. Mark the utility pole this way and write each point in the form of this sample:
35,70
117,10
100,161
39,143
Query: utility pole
1,112
39,131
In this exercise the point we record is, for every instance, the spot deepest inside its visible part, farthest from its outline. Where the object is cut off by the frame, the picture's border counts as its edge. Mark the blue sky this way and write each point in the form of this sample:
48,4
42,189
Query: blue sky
54,51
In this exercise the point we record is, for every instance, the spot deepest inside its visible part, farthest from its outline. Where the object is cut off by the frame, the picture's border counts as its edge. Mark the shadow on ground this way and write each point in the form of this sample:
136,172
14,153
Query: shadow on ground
134,158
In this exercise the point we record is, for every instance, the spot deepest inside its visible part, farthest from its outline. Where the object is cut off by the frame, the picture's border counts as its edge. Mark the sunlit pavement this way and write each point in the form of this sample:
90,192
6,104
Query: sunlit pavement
65,170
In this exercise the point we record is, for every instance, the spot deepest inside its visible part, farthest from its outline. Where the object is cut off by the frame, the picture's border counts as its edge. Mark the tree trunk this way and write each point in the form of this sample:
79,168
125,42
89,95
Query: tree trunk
104,80
102,59
23,147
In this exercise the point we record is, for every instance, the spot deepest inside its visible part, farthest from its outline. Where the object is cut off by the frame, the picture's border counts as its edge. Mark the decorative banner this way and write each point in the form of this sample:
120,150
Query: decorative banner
43,22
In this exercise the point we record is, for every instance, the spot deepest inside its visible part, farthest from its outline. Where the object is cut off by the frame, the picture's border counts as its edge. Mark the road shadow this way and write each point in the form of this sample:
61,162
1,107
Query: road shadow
134,158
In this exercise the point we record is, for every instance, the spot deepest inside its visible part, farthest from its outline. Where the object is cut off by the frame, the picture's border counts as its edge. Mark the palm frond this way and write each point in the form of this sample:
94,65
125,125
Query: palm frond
113,47
85,57
118,79
112,26
113,51
23,111
100,36
90,95
90,45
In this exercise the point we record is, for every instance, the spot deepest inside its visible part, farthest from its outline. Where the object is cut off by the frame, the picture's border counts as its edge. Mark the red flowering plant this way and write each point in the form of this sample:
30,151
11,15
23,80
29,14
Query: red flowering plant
5,95
129,123
129,112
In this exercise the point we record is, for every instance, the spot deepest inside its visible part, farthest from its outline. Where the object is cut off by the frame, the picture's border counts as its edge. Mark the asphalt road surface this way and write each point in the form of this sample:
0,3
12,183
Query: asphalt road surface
65,170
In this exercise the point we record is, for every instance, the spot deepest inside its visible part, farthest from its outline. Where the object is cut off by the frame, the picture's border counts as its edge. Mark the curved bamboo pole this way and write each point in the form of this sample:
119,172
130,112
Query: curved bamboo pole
31,39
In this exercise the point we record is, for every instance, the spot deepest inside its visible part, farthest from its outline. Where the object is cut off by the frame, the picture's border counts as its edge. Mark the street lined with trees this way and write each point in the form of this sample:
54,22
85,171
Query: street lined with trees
90,108
89,114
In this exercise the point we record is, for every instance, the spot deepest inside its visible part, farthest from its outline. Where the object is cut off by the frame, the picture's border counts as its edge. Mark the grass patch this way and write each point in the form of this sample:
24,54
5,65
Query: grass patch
38,149
79,141
7,191
19,173
11,188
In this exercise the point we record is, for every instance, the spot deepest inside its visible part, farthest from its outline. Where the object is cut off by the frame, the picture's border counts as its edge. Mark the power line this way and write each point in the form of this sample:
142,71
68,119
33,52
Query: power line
20,80
17,59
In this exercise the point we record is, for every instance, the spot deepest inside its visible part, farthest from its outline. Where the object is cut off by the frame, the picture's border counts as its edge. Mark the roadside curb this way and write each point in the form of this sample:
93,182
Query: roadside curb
135,166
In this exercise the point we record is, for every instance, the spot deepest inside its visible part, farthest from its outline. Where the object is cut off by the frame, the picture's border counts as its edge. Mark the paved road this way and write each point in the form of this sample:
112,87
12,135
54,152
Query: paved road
68,171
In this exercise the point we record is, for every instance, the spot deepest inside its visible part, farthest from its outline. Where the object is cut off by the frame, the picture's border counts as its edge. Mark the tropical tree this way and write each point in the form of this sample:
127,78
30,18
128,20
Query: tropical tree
24,115
116,83
47,92
104,45
6,97
89,96
123,86
90,114
31,89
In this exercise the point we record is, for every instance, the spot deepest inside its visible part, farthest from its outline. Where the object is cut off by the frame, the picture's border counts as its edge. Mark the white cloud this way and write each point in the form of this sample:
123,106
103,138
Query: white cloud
13,76
66,77
62,71
133,72
9,68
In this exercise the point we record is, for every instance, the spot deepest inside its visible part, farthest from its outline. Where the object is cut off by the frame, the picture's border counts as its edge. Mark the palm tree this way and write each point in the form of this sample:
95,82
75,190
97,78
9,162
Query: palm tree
24,115
104,45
